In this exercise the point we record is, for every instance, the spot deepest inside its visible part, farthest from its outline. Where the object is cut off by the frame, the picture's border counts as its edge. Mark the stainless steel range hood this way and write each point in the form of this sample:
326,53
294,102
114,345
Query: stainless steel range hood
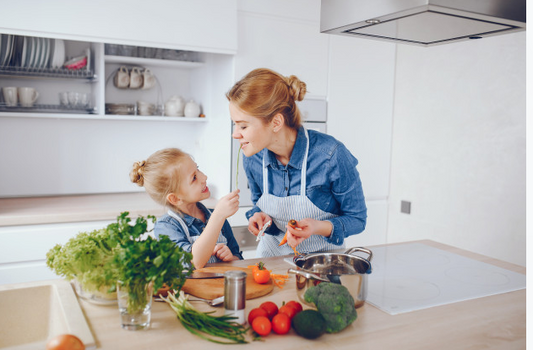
422,22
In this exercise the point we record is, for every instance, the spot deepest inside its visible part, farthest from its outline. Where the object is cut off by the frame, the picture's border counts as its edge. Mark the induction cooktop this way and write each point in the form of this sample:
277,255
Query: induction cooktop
414,276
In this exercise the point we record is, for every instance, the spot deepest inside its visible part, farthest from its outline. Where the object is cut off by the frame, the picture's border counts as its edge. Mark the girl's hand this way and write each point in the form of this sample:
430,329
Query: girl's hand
257,221
227,205
306,228
222,252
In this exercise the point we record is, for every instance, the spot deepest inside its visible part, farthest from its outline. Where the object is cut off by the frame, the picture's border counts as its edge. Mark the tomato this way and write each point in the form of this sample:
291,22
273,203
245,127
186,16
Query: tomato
270,308
255,313
296,305
65,342
261,274
261,325
281,324
287,310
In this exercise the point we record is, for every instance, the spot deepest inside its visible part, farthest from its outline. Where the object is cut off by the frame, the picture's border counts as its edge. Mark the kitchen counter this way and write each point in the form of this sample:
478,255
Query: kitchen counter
60,209
494,322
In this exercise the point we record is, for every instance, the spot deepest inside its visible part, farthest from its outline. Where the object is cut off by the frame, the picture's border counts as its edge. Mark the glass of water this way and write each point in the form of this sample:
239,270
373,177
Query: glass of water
135,305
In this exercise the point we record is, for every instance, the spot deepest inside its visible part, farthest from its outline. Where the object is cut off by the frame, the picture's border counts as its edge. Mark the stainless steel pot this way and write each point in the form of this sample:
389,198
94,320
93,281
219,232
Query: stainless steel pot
345,268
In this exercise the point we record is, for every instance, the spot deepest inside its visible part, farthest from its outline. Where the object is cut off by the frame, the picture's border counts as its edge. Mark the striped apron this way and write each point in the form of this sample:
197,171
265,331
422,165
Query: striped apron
221,238
283,209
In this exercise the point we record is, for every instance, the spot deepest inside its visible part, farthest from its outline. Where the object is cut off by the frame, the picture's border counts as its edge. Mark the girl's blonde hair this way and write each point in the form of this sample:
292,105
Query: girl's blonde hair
159,174
264,93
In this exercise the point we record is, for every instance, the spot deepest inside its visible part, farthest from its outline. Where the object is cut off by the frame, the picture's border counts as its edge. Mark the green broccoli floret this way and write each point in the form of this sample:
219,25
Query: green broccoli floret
335,303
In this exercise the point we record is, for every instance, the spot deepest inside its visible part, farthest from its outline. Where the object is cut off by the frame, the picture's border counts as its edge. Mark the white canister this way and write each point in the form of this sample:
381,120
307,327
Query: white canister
192,109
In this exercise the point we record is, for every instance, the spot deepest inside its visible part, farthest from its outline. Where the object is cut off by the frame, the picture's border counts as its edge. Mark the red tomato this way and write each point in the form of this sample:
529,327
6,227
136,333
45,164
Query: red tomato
287,310
261,325
65,342
281,324
296,305
270,308
255,313
261,276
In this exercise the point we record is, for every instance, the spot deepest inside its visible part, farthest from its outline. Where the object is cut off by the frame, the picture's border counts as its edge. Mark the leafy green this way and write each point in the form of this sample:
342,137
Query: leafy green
237,176
122,252
84,258
140,259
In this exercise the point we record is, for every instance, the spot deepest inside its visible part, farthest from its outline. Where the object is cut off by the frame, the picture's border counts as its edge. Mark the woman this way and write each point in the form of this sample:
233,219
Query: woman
293,173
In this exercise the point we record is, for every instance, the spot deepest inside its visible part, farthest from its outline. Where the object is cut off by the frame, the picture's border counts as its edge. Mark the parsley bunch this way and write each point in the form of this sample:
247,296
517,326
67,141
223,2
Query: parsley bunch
139,259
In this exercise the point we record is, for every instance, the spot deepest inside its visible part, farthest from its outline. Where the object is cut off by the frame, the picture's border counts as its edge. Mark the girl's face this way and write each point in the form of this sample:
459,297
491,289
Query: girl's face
193,184
252,133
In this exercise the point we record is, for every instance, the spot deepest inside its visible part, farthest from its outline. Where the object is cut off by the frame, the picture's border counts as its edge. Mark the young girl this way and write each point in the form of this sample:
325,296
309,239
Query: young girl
173,179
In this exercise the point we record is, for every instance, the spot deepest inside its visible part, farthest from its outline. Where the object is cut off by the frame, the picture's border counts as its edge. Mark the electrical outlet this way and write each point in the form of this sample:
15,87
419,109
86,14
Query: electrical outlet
405,207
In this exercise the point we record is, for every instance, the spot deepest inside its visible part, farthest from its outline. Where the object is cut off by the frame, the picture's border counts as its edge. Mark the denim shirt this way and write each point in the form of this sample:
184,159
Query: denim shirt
167,225
333,182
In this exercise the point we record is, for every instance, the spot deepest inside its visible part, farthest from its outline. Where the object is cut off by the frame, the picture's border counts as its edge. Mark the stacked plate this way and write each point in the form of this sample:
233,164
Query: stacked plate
119,108
31,52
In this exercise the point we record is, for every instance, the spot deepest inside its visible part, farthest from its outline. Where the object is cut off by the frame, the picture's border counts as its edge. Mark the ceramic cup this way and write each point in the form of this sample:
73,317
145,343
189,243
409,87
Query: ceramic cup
27,96
192,109
136,78
10,96
148,80
122,78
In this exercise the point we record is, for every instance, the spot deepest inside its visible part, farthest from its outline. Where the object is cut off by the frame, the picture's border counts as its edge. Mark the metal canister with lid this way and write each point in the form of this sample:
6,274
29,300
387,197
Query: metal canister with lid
235,294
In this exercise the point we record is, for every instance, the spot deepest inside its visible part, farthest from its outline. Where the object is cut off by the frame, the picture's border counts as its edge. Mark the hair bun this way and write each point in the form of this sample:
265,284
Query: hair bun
136,174
297,88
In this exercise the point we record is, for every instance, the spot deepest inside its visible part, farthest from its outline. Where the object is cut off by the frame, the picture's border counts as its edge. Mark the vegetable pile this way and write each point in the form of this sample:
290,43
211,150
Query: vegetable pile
267,317
122,252
335,303
216,329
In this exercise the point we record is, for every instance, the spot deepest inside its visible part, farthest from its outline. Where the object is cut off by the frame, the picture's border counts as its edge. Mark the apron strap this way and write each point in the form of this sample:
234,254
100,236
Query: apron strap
182,223
303,180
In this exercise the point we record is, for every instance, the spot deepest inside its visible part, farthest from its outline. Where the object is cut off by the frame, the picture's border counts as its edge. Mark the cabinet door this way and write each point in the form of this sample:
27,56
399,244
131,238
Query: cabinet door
288,46
203,25
360,106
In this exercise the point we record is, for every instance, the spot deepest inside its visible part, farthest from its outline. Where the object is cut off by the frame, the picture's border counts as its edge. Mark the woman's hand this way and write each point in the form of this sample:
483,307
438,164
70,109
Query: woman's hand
223,252
257,221
306,228
227,205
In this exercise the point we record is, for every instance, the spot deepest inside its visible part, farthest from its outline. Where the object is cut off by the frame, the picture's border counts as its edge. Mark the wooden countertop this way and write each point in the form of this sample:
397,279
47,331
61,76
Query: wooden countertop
60,209
494,322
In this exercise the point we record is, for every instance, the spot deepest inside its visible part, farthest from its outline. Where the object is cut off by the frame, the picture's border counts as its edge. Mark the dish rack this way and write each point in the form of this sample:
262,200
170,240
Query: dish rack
47,72
47,108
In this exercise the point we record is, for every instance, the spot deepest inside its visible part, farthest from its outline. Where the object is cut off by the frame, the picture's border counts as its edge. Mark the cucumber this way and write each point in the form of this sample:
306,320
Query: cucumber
309,324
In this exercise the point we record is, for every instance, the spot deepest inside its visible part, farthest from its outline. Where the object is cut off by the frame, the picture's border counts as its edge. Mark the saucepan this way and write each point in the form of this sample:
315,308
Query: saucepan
346,268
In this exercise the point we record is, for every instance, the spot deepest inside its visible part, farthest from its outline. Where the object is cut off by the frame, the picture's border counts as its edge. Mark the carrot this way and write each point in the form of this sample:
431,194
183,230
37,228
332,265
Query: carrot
278,279
293,224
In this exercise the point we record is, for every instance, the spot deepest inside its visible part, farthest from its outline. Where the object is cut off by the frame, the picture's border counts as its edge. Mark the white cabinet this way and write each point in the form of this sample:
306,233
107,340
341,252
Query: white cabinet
360,106
197,25
286,45
62,151
23,249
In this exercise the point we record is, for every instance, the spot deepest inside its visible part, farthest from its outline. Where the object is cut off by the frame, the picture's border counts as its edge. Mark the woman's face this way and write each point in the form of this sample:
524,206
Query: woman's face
252,133
193,183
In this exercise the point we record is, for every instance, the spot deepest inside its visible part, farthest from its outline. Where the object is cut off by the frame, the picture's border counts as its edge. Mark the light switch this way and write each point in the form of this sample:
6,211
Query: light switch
405,207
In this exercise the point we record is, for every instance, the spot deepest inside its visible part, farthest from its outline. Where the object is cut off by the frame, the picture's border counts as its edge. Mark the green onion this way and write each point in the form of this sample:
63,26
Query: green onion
237,177
216,329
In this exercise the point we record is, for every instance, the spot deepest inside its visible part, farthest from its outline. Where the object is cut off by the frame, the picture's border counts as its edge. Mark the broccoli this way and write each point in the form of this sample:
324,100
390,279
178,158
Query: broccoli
335,303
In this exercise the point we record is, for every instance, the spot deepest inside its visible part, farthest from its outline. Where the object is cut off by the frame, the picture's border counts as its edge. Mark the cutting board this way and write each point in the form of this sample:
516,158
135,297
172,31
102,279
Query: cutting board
212,288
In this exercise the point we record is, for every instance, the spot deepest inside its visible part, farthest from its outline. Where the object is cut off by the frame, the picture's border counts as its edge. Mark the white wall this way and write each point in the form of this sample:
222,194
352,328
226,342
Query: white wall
458,151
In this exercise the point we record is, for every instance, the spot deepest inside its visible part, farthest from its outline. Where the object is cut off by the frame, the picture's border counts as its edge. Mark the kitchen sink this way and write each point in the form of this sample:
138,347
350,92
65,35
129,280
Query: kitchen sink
33,313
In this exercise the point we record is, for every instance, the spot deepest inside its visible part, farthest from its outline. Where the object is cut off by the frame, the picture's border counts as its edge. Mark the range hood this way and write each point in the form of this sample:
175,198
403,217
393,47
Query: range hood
422,22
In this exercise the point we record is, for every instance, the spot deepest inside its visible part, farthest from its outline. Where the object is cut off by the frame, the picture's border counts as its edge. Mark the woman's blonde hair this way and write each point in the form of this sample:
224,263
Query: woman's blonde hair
264,93
159,174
